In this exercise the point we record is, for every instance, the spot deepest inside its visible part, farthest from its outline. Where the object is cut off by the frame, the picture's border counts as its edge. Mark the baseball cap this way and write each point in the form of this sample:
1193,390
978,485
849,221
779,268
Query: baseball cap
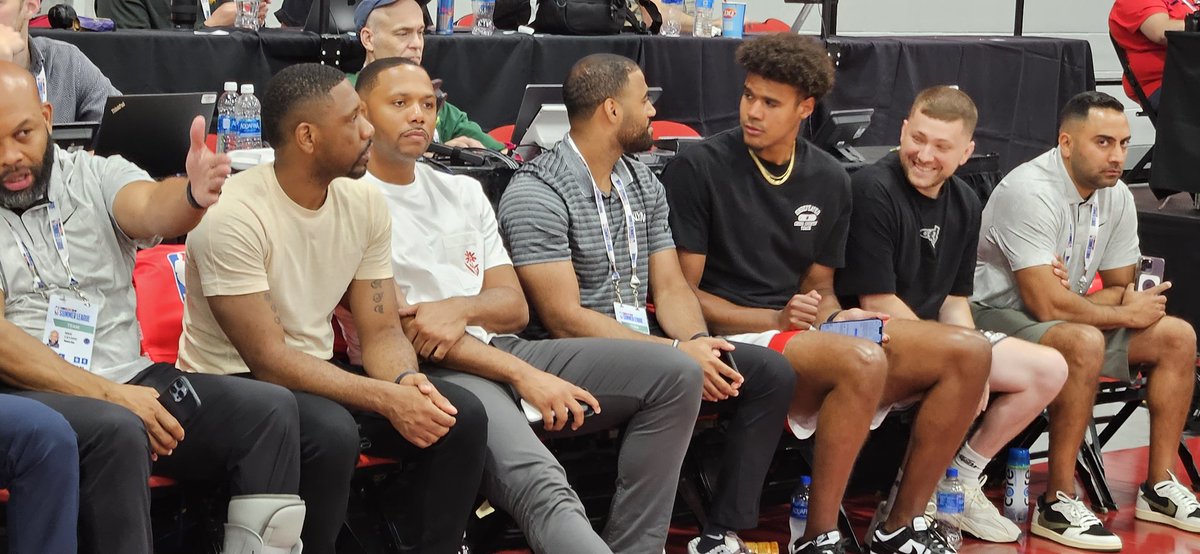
365,7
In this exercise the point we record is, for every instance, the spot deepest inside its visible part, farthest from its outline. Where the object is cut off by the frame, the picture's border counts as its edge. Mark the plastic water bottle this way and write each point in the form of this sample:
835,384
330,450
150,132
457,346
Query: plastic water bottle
950,508
485,11
226,104
247,14
249,119
672,18
799,518
702,26
1016,487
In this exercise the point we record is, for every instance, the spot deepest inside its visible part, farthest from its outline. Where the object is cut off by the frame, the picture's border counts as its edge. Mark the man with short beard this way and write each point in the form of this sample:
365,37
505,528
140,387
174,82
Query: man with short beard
72,225
1070,203
288,243
587,225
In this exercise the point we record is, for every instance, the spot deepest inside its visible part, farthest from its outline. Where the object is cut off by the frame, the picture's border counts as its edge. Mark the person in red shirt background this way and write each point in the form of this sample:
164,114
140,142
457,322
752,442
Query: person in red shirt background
1139,27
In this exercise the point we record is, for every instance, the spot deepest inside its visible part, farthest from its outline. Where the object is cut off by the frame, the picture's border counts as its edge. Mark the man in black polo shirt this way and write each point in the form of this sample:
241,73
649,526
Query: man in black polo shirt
911,254
760,219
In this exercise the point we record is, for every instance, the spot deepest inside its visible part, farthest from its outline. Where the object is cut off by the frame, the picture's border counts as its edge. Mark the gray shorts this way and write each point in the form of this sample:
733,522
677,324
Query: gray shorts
1017,323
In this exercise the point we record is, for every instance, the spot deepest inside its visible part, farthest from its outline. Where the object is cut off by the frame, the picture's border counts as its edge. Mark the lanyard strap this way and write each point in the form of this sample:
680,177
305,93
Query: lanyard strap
606,231
60,245
1089,251
40,79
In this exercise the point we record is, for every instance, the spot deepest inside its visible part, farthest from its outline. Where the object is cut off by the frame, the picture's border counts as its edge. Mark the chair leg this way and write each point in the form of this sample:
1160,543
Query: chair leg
1189,464
1090,466
848,531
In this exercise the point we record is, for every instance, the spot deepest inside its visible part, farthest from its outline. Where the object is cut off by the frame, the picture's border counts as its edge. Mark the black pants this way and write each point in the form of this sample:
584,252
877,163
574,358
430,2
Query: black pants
246,433
433,512
759,418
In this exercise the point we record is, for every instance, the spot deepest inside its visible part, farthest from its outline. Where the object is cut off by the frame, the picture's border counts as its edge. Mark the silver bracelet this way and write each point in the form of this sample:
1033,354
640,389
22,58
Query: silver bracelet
675,343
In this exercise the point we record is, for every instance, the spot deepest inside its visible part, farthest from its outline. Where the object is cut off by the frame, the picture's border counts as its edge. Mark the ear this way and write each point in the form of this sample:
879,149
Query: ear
305,138
967,154
32,6
1064,144
367,38
904,128
48,115
807,106
612,110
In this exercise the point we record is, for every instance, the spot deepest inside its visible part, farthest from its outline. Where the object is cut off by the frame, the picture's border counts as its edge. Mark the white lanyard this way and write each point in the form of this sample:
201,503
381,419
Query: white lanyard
1089,251
40,79
206,9
60,245
607,231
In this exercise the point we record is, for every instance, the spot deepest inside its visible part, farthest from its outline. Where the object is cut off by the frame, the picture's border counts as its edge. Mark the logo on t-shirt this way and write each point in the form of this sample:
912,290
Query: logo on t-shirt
177,261
931,235
471,262
806,217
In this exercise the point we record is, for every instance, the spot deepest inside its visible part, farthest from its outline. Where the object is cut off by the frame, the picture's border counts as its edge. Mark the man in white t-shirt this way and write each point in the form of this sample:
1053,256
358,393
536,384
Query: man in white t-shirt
458,289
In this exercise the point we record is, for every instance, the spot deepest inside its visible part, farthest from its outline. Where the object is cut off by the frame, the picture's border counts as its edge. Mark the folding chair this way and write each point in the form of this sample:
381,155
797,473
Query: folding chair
1141,170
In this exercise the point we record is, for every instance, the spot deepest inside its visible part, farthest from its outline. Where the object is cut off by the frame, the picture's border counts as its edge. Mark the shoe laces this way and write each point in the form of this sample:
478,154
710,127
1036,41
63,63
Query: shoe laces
1077,512
1178,494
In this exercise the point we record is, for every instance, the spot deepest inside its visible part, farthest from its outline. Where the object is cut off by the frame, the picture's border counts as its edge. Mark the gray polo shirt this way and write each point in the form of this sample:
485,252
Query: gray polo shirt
1027,222
74,85
83,187
548,214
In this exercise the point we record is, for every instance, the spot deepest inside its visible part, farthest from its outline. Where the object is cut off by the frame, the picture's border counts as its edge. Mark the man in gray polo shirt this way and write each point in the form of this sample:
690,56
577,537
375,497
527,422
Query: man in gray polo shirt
588,232
66,78
72,223
1069,202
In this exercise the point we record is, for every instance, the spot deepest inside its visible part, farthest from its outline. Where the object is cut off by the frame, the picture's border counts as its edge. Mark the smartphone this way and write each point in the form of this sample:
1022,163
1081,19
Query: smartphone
1149,272
726,358
533,415
180,399
870,329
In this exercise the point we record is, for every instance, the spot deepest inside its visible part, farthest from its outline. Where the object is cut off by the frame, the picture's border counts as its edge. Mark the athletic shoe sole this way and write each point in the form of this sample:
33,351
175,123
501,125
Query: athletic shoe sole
1073,543
1146,514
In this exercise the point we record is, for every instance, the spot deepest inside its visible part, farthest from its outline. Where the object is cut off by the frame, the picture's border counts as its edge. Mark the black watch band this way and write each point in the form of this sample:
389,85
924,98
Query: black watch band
191,199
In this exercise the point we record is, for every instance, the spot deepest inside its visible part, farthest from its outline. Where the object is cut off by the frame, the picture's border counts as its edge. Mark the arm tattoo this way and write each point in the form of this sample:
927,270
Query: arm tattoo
274,309
377,298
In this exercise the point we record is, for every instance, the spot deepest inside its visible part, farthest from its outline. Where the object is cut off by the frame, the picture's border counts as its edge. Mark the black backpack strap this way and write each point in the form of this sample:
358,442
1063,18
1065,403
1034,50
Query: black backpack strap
656,18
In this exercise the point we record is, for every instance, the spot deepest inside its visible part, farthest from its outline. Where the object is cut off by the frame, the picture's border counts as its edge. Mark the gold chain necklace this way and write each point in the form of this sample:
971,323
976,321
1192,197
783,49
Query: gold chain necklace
776,181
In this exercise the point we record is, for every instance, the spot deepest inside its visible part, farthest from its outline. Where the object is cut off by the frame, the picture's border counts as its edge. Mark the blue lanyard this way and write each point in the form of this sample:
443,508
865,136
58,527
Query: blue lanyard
631,230
1089,251
60,245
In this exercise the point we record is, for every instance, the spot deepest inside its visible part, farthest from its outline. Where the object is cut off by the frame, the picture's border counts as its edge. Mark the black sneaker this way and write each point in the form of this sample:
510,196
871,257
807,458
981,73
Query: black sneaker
916,538
825,543
1067,521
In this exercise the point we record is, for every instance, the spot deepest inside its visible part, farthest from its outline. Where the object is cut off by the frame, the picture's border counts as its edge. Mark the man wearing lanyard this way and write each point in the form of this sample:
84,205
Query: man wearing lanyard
463,298
1069,202
911,254
588,232
761,218
66,78
1140,27
72,224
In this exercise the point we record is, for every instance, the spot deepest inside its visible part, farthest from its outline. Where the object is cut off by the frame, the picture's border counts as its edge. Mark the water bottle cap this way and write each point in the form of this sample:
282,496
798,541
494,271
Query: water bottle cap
247,88
230,86
1018,456
952,473
805,480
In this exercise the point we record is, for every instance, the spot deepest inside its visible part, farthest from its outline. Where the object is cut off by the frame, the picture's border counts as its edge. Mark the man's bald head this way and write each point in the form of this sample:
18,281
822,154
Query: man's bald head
26,153
394,29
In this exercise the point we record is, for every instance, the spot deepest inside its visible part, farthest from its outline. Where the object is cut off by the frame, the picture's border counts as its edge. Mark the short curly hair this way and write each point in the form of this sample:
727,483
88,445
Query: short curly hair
791,59
288,91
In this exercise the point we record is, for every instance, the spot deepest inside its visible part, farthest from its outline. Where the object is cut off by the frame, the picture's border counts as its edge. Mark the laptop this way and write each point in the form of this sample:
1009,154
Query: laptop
74,136
153,130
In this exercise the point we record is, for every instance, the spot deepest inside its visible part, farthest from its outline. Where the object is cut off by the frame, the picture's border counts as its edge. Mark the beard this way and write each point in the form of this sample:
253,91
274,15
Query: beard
636,139
360,167
36,192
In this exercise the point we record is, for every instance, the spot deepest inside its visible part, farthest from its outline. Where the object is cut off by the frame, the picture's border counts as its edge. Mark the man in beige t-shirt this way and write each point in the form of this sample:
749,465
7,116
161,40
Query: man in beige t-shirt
286,244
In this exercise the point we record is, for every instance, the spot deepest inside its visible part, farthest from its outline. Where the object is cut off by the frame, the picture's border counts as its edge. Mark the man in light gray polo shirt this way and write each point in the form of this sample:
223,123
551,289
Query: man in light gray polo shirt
72,223
66,78
1069,204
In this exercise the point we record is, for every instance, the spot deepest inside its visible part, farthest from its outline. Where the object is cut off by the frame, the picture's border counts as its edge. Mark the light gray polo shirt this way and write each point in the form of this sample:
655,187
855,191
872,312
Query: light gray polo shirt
83,187
1027,223
548,214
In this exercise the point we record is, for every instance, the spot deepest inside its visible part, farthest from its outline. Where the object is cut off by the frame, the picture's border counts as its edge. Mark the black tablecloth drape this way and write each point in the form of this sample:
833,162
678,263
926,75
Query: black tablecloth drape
1019,83
1177,134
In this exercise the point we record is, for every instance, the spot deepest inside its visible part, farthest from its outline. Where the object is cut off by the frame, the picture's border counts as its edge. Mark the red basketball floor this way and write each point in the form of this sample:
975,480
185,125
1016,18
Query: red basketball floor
1126,470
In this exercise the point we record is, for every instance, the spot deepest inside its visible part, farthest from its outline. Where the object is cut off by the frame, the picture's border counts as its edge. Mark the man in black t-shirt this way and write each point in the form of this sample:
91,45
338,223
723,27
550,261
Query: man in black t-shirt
911,254
760,218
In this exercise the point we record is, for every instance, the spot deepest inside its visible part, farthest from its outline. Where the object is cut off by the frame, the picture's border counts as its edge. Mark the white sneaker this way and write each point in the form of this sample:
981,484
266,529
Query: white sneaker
732,545
982,520
1171,503
1067,521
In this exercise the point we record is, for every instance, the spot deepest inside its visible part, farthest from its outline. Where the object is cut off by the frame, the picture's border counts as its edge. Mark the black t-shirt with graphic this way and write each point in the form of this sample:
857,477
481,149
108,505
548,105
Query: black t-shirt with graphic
760,239
902,242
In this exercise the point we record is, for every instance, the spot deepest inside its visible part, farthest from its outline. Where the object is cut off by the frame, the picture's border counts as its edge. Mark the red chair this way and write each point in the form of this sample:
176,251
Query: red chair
769,26
503,133
663,128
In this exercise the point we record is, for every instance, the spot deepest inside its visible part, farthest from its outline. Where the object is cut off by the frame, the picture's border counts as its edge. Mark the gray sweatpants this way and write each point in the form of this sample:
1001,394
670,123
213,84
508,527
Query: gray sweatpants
654,388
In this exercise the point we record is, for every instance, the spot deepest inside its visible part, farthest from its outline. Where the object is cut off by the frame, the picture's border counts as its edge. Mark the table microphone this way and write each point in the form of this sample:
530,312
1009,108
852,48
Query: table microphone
183,14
